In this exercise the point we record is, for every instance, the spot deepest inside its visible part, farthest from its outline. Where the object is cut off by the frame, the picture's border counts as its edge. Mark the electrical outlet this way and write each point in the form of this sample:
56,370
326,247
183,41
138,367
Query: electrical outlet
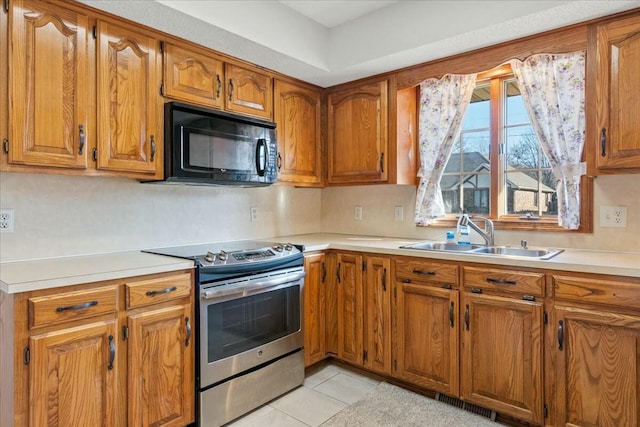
357,215
613,216
6,220
253,213
398,213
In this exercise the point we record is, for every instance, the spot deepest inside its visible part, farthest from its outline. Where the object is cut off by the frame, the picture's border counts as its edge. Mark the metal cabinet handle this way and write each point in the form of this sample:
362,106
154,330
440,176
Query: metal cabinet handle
338,273
423,272
77,307
381,162
466,317
161,291
384,279
501,281
82,138
112,352
451,312
153,147
219,85
279,162
560,334
324,272
603,142
188,325
230,89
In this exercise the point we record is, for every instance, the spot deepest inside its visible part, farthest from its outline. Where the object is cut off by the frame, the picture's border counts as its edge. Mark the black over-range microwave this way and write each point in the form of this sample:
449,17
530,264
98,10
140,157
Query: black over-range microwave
209,147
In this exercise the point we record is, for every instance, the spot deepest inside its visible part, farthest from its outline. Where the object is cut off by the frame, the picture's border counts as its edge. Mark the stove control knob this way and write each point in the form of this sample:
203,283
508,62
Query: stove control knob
222,256
278,248
288,247
210,256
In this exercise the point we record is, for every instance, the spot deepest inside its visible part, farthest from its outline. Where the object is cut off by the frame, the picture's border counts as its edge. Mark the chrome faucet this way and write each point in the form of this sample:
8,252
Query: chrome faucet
486,234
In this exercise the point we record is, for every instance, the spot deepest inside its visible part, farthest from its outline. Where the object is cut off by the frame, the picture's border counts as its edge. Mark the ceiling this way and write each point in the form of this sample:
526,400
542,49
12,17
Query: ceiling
332,42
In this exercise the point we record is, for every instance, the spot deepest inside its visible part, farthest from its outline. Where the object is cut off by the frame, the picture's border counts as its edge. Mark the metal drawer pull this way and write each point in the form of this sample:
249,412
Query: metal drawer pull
162,291
451,310
501,281
188,325
560,334
426,273
466,316
77,307
112,352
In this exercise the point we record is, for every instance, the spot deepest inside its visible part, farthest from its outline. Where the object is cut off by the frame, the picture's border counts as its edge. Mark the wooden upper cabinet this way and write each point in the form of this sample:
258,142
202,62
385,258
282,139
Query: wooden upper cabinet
248,92
358,134
297,116
129,129
597,362
502,355
73,376
192,76
616,139
49,85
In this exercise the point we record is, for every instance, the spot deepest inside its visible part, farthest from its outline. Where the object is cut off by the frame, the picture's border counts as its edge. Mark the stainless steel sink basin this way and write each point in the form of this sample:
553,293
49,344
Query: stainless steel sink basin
519,252
506,251
442,246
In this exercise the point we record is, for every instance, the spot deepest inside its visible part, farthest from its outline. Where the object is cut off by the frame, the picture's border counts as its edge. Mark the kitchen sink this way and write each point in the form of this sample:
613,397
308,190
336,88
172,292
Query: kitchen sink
505,251
442,246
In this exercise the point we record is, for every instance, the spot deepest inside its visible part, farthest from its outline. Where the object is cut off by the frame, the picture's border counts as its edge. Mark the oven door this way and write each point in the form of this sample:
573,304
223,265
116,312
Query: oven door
247,322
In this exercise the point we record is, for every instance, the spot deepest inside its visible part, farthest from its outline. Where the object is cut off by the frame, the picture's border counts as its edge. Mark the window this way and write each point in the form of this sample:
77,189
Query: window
497,168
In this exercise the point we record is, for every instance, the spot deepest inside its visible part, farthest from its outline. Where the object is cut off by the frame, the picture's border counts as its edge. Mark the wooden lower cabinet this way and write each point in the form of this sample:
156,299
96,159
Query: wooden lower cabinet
73,376
502,357
314,307
427,329
377,314
160,377
101,360
597,360
350,317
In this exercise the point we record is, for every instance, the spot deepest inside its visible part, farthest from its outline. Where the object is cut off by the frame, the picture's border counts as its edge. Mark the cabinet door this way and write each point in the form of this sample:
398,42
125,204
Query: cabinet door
249,92
377,314
427,330
73,376
358,134
49,85
598,368
160,376
129,134
350,319
192,77
618,85
314,309
502,355
297,115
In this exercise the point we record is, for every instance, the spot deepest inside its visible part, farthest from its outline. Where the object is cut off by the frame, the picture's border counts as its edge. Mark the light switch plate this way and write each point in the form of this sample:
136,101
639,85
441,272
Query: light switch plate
357,215
398,213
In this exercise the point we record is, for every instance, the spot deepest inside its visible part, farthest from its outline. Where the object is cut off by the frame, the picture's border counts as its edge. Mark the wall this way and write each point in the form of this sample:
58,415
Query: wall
378,204
61,215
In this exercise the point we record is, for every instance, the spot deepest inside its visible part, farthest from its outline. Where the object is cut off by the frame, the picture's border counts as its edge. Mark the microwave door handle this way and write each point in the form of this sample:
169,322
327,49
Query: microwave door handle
261,157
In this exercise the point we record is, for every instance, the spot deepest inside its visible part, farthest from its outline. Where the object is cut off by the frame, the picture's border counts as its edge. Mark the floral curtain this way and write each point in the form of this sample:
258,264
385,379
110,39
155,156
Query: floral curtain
552,88
443,104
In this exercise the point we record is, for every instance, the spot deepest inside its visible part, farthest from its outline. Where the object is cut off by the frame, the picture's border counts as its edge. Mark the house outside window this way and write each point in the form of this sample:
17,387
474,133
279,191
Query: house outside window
497,167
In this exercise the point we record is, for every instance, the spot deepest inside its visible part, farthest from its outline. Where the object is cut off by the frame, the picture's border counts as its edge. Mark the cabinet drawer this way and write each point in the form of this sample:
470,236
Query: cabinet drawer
76,305
519,282
608,292
419,271
153,291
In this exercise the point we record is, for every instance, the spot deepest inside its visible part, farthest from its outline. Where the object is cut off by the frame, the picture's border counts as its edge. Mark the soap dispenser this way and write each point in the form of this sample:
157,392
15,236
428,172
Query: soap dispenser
463,230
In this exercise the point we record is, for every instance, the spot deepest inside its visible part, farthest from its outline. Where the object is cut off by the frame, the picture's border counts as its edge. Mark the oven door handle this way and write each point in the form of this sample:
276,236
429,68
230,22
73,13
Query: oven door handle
252,287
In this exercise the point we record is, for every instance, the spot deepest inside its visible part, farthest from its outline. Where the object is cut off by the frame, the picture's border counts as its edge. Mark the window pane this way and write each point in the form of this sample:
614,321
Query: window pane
528,194
478,114
522,148
516,112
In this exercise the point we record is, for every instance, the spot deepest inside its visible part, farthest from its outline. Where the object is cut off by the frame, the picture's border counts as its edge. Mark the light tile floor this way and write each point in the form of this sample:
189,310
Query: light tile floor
323,394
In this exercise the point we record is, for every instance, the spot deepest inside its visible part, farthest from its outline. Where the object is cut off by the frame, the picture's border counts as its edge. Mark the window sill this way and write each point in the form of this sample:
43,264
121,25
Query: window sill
513,223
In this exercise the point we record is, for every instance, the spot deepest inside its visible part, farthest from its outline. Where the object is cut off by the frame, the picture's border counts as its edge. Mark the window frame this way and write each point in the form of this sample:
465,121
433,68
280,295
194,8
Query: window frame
496,78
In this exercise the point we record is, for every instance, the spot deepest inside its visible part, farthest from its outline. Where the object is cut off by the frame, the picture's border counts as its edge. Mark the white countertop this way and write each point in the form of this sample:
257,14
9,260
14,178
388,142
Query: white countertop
23,276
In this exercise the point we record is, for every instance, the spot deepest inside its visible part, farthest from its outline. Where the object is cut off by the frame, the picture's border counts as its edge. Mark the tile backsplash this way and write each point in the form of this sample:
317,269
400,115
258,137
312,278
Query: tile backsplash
58,215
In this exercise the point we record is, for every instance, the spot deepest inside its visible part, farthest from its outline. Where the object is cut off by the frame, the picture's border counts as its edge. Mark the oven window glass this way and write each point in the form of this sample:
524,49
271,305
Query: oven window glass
244,323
